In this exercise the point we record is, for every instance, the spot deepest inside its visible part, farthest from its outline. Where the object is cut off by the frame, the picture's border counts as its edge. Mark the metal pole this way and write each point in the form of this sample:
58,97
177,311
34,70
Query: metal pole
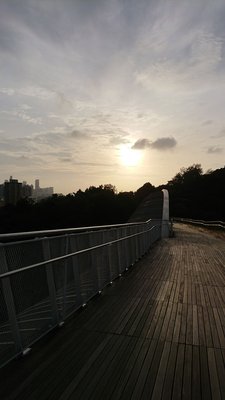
51,282
9,301
65,279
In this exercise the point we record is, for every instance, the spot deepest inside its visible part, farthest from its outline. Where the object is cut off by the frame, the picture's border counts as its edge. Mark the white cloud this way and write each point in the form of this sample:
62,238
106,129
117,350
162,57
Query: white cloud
111,72
24,116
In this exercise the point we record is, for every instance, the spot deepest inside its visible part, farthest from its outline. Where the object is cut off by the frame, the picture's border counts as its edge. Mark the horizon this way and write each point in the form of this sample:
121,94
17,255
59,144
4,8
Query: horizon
181,170
114,92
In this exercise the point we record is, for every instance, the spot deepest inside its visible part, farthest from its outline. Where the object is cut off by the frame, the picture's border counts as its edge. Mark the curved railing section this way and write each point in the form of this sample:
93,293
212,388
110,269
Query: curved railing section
48,275
207,224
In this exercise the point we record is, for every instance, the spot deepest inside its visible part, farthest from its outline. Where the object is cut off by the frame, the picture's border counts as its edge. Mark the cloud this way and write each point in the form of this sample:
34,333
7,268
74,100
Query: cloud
208,122
141,144
183,59
22,114
118,139
220,134
214,150
69,160
163,143
7,91
31,91
78,134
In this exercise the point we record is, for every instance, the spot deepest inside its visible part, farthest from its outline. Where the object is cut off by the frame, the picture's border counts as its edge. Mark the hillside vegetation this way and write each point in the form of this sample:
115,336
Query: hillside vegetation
193,194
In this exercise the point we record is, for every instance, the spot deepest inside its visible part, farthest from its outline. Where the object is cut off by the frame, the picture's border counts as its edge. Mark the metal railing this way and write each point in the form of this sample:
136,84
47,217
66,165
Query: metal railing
207,224
45,280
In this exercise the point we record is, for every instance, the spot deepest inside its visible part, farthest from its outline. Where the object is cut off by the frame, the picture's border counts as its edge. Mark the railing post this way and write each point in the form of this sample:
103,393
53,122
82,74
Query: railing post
9,301
51,281
94,270
119,255
65,278
76,274
110,263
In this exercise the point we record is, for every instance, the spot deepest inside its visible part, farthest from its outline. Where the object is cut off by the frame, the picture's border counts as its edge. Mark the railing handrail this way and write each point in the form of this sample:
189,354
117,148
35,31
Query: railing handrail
65,256
44,233
216,224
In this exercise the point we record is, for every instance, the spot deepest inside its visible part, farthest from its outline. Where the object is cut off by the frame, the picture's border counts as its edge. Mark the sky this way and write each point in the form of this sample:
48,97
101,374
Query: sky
120,91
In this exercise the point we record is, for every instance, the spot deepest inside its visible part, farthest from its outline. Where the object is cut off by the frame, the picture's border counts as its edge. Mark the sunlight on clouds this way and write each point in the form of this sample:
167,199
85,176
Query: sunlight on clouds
105,77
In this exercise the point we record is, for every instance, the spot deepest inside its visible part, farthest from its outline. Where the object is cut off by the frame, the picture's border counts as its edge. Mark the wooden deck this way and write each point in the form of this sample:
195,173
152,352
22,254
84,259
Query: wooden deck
157,333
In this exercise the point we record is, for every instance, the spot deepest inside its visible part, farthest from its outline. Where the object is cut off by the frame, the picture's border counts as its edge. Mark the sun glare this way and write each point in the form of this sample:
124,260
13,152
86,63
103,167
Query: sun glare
129,157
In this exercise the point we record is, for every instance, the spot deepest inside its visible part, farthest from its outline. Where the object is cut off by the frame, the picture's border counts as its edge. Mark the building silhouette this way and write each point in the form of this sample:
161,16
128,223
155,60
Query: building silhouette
41,193
12,191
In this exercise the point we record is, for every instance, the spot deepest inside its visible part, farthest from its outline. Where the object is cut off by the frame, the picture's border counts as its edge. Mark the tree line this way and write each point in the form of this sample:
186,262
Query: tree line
193,194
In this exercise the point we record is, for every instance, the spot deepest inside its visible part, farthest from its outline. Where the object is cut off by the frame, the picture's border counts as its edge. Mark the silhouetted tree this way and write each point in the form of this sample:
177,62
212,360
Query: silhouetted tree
192,194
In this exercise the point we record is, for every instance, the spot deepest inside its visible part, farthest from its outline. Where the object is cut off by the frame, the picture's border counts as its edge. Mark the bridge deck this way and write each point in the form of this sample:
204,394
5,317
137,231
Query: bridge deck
158,332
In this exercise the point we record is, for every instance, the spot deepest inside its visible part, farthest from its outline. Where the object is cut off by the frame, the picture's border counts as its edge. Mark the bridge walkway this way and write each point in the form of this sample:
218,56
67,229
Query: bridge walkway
158,332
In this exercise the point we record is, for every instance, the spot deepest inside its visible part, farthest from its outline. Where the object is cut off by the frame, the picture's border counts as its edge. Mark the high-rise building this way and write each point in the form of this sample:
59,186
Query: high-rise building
27,190
12,191
41,193
37,184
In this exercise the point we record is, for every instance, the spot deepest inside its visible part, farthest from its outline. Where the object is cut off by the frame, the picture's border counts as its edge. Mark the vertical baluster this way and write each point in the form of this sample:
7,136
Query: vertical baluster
94,270
51,282
65,277
10,305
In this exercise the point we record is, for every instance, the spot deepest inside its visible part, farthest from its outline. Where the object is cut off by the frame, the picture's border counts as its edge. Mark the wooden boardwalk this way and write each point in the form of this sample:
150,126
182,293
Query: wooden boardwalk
157,333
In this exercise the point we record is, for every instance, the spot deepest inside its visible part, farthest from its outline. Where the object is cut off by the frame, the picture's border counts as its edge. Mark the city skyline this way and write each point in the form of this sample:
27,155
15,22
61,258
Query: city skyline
119,92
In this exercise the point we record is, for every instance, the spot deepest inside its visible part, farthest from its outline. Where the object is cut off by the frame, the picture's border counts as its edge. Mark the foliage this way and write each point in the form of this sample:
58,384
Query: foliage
197,195
192,194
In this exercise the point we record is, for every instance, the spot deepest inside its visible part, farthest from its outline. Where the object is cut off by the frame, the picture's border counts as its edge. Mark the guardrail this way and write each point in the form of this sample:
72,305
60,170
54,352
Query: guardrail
44,280
208,224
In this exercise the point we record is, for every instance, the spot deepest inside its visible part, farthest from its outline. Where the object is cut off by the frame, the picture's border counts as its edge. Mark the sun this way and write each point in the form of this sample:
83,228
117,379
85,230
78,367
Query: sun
129,157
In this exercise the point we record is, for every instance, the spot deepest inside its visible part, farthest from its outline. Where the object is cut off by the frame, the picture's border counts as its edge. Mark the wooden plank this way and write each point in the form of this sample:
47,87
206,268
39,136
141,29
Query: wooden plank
178,378
93,376
73,384
193,294
170,330
154,320
202,339
152,373
185,298
213,327
196,381
183,329
160,321
140,311
143,372
159,381
110,378
219,328
220,371
208,334
202,295
177,326
166,322
126,373
214,381
189,333
187,378
143,325
195,326
205,379
134,376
